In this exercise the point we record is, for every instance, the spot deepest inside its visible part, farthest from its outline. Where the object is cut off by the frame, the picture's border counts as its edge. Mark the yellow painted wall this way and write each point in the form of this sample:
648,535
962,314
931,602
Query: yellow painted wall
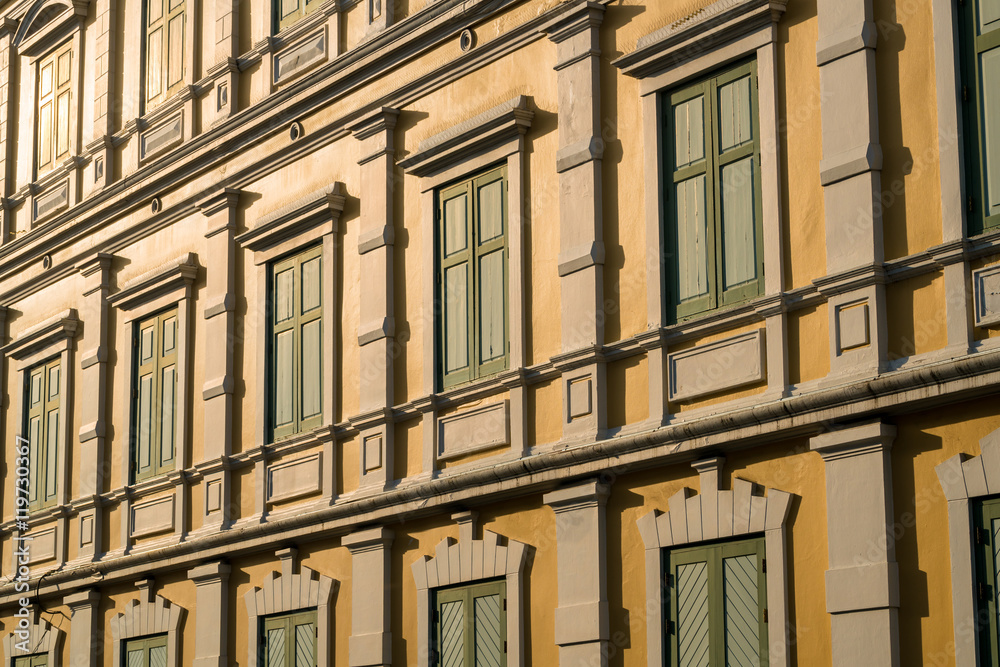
915,315
808,344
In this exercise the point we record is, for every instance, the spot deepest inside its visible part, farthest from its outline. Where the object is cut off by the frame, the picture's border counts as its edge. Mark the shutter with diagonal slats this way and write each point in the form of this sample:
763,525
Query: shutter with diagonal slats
289,640
471,626
146,651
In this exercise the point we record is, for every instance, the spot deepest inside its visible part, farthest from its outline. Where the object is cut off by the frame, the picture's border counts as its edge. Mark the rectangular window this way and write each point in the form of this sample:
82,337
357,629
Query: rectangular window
717,605
289,640
980,20
154,395
472,277
296,349
42,417
289,12
52,120
145,652
470,626
165,49
987,546
714,229
40,660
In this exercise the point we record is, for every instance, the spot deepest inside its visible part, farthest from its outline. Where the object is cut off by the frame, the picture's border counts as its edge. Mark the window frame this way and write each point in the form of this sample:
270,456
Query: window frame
147,643
474,251
157,467
714,553
979,218
167,91
46,404
295,261
289,621
713,160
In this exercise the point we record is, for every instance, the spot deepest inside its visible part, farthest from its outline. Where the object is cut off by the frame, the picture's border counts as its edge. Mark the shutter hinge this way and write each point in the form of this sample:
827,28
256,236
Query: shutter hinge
505,646
980,540
982,591
671,628
965,93
765,614
763,565
669,580
505,604
970,205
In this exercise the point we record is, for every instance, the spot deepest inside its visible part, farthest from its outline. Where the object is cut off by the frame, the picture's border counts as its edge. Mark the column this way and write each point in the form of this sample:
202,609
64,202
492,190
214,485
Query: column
86,634
850,173
211,626
581,618
862,584
581,247
99,148
371,638
94,347
220,300
376,333
8,68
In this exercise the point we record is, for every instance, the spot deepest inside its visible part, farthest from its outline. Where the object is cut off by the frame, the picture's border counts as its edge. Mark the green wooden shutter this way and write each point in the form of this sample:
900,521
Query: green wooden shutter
42,417
717,605
165,49
289,640
146,652
714,206
155,395
297,343
980,55
39,660
54,107
986,516
470,627
472,279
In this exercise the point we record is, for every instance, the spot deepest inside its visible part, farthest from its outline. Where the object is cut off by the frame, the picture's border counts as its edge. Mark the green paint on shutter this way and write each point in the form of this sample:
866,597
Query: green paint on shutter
42,423
305,645
452,643
296,348
692,614
989,14
741,610
714,230
168,394
276,647
155,403
489,634
289,640
990,67
986,518
136,658
472,281
165,49
148,651
158,656
38,660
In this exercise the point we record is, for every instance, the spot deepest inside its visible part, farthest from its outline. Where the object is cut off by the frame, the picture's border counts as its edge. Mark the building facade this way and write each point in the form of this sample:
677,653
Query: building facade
499,332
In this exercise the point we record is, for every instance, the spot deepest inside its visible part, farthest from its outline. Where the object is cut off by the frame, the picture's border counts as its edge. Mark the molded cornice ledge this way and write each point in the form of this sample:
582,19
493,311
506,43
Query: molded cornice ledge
849,281
489,130
719,23
177,274
295,218
48,333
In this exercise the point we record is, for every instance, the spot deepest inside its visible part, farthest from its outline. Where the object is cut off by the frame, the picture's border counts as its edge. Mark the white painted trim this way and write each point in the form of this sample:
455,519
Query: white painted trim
289,591
465,562
149,617
718,514
42,637
964,479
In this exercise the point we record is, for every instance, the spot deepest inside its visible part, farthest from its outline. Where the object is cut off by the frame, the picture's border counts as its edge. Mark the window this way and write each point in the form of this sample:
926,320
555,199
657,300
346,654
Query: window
981,107
472,277
717,609
288,12
714,233
987,535
470,625
54,107
42,426
296,343
145,652
290,640
165,45
155,395
39,660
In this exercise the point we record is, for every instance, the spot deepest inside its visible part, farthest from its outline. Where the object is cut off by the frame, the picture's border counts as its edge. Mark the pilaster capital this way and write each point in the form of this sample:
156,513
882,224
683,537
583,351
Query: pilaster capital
218,201
96,272
209,573
372,539
82,600
873,437
591,493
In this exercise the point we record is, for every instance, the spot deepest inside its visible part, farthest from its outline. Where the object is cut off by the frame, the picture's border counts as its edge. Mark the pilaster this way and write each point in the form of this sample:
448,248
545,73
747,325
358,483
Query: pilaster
376,332
220,340
581,619
95,346
86,635
850,173
211,614
98,143
8,69
371,638
581,245
862,584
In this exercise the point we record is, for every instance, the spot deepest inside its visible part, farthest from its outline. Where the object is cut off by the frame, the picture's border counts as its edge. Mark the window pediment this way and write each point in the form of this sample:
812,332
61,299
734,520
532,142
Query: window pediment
45,22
